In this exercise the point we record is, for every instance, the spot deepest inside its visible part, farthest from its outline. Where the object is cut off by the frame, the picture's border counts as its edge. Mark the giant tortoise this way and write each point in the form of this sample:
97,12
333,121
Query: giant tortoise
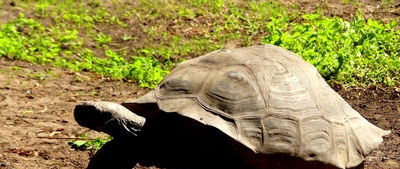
253,108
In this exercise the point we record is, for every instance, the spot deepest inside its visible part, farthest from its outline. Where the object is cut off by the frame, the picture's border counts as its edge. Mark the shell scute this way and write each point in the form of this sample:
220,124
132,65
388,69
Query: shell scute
281,135
316,138
234,92
184,82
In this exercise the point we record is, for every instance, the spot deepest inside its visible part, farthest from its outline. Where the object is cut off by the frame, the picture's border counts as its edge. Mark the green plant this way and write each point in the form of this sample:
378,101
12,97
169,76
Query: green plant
147,71
103,39
359,52
23,39
26,39
85,144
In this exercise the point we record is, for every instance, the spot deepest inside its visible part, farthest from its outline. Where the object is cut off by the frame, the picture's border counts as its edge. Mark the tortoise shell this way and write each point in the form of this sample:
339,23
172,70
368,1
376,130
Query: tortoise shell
270,100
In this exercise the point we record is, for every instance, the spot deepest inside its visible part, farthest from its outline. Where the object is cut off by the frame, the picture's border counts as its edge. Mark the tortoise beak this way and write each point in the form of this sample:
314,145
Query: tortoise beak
89,114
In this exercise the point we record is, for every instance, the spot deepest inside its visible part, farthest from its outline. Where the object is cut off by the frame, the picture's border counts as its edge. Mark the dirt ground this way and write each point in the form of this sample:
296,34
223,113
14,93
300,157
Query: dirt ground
36,119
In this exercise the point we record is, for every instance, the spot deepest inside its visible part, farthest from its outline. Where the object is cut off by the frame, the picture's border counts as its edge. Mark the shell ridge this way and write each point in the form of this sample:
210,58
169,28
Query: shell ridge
281,132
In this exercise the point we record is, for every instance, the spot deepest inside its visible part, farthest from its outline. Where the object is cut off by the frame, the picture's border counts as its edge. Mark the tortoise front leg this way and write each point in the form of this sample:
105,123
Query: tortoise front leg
118,153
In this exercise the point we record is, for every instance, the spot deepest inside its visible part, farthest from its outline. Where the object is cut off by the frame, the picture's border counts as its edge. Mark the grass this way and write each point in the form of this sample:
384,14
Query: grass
143,41
354,53
97,36
358,52
80,37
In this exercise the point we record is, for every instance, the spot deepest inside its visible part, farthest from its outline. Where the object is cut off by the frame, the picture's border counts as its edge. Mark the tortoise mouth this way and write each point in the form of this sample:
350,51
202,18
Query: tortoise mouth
91,116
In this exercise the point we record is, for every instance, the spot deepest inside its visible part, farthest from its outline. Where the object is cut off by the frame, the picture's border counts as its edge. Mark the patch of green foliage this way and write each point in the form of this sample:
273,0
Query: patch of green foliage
22,39
26,39
183,29
357,52
85,144
187,29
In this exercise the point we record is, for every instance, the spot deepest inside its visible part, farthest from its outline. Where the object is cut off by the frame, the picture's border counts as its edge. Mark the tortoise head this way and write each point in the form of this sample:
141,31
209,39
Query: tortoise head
111,118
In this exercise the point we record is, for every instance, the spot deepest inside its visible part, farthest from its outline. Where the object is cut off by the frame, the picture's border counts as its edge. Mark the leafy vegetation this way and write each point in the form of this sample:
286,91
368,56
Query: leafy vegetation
26,39
357,52
84,144
82,36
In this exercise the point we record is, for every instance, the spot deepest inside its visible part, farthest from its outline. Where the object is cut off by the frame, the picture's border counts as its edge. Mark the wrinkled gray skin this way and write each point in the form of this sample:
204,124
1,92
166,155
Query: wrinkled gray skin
170,141
105,116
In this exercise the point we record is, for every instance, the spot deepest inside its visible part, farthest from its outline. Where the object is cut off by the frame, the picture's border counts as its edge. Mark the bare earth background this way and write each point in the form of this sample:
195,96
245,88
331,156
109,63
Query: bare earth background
36,119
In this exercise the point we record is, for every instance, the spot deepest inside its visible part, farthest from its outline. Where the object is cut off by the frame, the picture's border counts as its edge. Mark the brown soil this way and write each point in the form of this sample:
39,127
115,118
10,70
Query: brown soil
36,119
